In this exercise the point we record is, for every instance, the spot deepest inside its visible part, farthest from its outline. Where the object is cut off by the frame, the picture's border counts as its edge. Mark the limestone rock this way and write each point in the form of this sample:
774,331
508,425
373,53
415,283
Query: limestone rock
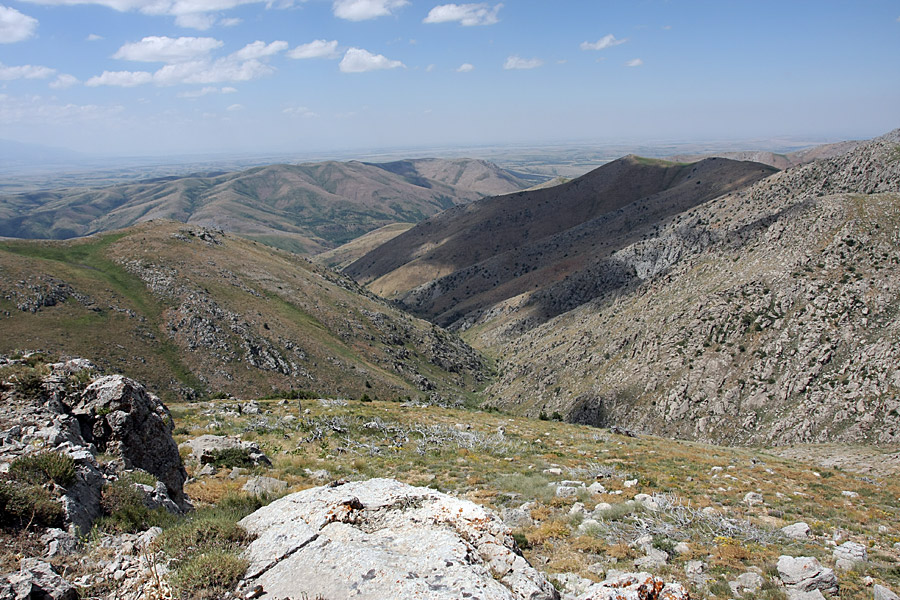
851,552
120,417
797,531
264,486
635,586
36,579
385,539
746,582
805,574
882,593
202,448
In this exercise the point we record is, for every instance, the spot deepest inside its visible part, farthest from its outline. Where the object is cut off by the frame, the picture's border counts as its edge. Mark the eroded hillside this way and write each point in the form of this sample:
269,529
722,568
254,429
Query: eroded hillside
193,310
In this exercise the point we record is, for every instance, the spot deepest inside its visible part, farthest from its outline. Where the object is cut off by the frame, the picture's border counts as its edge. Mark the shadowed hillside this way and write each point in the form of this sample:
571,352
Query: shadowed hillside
470,258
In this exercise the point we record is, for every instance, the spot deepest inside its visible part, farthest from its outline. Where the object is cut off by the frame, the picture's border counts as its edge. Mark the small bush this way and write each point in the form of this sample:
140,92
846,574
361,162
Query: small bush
24,505
40,468
209,576
29,383
194,536
230,457
124,509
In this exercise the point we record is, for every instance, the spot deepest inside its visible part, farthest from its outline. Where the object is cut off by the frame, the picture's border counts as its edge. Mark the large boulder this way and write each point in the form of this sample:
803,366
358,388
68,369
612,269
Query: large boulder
36,579
122,418
384,539
804,574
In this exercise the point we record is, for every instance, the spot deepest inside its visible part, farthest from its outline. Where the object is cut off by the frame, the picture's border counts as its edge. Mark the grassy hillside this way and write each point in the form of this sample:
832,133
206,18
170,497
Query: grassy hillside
340,257
194,311
304,208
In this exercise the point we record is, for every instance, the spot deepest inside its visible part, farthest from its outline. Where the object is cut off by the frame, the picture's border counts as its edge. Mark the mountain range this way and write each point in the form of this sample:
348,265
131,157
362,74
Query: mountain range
305,208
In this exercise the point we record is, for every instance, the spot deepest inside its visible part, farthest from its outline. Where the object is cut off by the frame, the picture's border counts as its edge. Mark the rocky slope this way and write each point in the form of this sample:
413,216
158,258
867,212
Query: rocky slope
769,315
774,159
193,311
307,208
470,258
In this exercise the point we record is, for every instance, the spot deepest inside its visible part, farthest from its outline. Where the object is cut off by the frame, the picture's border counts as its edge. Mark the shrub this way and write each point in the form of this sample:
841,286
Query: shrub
40,468
29,383
230,457
124,508
24,505
209,575
203,534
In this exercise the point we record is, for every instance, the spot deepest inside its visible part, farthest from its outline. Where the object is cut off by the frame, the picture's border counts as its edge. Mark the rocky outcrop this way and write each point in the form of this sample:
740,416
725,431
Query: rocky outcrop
804,574
36,579
766,316
385,539
66,409
635,586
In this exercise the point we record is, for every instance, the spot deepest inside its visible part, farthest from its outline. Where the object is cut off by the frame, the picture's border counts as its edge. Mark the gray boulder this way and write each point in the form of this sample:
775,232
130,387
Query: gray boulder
202,449
882,593
848,554
635,586
384,539
797,531
805,574
36,579
118,416
264,486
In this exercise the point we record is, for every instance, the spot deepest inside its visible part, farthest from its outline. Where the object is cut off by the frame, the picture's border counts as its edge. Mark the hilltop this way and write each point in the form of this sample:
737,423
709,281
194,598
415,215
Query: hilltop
305,208
194,311
468,259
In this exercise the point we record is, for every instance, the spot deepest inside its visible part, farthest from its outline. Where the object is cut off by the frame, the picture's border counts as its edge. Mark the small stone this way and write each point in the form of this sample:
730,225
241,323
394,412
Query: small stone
553,471
577,509
682,548
587,525
797,531
566,491
596,488
850,494
753,498
630,483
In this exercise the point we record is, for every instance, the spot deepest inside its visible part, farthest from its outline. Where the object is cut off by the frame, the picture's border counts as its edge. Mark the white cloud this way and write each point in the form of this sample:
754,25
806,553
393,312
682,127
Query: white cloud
120,78
465,68
15,26
517,62
167,50
607,41
466,14
38,110
362,10
199,21
430,68
300,111
634,62
64,81
196,14
357,60
259,49
316,49
205,91
230,22
235,107
25,72
204,72
93,37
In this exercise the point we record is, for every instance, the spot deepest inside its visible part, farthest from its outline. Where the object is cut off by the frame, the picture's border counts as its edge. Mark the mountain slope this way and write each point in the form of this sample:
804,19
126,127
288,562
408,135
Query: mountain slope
769,315
479,176
307,208
192,310
779,161
345,254
468,259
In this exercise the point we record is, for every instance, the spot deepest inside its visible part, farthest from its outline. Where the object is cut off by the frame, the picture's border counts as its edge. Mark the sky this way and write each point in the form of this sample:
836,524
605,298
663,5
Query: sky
176,77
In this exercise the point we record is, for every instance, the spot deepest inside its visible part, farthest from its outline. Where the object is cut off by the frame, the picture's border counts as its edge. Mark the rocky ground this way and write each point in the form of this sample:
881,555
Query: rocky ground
505,507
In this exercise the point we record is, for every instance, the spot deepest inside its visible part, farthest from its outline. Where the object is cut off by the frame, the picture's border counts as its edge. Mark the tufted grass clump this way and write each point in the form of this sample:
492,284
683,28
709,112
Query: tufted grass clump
230,457
124,508
23,505
208,576
40,468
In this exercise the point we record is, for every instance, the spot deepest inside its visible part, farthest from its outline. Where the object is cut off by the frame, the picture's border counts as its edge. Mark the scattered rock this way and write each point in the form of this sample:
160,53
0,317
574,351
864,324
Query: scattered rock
848,554
264,486
385,539
635,586
882,593
59,542
36,580
753,499
805,574
797,531
746,583
596,488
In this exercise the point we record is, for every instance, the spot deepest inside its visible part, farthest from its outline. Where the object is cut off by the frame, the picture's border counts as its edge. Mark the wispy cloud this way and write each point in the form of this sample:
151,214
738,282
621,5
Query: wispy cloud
517,62
25,72
634,62
64,81
300,111
205,91
93,37
258,49
607,41
465,14
465,68
120,79
316,49
39,110
363,10
167,50
15,26
357,60
235,107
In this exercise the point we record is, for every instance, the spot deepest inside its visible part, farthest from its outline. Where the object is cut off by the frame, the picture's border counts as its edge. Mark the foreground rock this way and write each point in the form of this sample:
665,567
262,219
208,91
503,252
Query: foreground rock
384,539
804,574
68,410
36,579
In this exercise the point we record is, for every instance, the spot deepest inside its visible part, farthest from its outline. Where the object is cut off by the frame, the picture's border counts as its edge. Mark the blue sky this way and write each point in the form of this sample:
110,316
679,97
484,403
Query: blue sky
192,76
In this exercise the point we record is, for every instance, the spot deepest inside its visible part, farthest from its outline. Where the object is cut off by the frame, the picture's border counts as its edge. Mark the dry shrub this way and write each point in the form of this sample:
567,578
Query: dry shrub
548,530
210,490
729,553
541,513
621,551
589,544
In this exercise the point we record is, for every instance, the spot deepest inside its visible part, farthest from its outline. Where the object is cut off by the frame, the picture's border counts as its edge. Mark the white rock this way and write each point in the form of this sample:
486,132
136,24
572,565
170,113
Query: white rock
753,498
383,539
596,488
805,574
797,531
635,586
880,592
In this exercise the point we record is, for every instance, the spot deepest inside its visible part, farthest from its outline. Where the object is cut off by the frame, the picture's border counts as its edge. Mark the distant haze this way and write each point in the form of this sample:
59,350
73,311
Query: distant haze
127,78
